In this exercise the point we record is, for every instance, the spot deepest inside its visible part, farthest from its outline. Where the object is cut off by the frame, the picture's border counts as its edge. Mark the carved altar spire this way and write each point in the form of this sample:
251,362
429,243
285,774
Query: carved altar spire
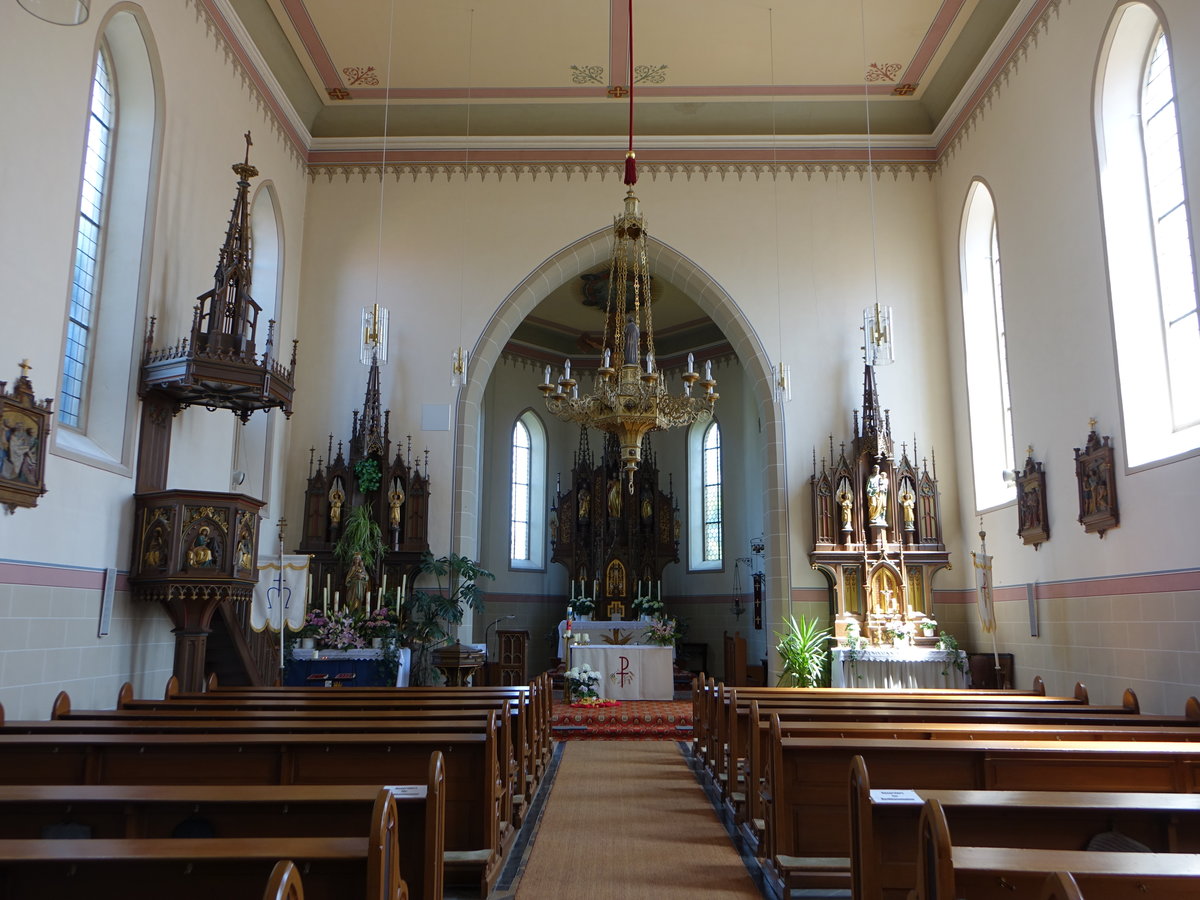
875,437
370,434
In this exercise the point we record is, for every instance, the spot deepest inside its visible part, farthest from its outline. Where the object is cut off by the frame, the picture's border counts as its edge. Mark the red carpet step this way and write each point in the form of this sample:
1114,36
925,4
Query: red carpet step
663,720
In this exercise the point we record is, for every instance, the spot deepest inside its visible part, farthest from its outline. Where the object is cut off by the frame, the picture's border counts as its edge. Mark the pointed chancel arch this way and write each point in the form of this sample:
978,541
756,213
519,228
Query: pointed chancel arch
572,261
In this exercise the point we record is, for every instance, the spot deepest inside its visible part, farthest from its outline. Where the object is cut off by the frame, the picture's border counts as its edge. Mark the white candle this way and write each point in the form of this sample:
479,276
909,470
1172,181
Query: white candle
595,588
325,603
308,589
383,587
708,370
567,370
337,596
404,585
547,375
691,362
660,590
572,588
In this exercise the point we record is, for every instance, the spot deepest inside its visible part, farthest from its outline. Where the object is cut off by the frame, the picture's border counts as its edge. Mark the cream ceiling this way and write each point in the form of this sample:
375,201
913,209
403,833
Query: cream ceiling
539,69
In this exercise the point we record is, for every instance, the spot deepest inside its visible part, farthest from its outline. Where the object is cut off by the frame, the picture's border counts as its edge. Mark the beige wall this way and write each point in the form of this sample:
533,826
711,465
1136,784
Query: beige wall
49,611
1062,371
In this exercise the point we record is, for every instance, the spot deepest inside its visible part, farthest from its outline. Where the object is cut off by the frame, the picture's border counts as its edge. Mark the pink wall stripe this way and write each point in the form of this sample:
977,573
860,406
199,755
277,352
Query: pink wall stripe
1116,586
616,157
27,575
928,47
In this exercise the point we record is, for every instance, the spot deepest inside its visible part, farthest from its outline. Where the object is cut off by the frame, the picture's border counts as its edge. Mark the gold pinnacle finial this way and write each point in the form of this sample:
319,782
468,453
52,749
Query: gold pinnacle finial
1092,424
1029,450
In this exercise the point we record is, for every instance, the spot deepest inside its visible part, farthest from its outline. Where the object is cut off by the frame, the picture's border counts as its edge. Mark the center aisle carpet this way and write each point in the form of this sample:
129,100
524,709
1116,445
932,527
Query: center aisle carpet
627,820
631,720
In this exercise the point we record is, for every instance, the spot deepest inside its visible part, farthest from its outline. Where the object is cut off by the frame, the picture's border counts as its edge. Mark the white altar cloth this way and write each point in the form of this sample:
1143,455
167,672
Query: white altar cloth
602,632
900,667
628,671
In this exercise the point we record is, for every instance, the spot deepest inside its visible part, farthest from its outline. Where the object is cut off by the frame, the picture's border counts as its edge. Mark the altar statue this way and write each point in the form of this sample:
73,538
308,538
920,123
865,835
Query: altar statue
877,491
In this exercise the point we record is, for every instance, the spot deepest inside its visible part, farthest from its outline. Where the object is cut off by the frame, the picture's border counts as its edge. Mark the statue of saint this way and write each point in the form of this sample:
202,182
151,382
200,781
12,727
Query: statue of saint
337,497
200,554
357,580
877,492
585,505
908,500
395,500
845,499
614,500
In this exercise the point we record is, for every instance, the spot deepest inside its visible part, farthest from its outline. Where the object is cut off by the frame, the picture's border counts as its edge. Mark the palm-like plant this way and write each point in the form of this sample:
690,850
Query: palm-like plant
361,534
804,649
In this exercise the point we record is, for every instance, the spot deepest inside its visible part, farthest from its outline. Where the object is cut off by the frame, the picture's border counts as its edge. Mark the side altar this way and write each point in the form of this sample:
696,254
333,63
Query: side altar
877,532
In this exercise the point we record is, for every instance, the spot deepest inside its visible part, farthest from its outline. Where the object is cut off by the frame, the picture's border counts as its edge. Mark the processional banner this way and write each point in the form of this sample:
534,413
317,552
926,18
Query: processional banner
983,590
280,592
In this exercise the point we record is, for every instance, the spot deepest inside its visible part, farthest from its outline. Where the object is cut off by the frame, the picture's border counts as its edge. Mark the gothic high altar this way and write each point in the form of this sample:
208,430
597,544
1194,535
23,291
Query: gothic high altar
877,529
614,541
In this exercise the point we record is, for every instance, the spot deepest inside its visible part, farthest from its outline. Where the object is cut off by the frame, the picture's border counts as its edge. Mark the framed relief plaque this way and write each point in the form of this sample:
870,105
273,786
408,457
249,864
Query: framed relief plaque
1095,471
1033,526
24,434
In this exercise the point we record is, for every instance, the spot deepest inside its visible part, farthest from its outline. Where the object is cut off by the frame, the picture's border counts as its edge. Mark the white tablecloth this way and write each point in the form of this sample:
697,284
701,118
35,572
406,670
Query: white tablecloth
602,632
902,667
630,671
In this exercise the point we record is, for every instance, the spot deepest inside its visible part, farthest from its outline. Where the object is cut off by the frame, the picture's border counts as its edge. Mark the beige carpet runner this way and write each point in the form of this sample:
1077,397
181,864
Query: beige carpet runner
627,820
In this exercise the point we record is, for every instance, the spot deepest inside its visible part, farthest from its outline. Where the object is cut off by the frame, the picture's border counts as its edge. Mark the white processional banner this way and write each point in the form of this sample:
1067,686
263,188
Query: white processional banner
277,589
983,590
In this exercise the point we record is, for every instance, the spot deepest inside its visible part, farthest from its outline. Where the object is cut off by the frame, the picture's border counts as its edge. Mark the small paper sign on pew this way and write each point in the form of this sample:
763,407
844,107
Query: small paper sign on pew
896,796
411,791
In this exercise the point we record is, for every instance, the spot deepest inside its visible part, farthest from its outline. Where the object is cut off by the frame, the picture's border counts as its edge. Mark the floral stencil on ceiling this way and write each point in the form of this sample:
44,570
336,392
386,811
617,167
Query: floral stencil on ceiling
885,72
360,75
641,74
587,74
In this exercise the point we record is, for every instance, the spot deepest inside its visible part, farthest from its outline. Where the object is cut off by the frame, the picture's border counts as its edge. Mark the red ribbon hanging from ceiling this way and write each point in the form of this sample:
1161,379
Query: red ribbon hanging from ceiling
630,159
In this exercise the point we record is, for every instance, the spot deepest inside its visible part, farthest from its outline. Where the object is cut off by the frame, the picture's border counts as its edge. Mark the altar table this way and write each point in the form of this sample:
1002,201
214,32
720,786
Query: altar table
629,671
899,667
602,632
364,664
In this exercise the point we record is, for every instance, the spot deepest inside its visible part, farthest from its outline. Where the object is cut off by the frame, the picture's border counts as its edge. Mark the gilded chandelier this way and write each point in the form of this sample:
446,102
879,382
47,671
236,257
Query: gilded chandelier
630,399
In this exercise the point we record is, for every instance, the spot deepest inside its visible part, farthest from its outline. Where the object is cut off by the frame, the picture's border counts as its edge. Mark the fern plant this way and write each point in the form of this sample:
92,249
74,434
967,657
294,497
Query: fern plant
361,534
804,649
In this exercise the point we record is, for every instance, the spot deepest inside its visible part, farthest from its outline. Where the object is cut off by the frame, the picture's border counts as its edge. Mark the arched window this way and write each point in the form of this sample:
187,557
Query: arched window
109,273
254,459
1151,269
527,520
89,240
986,351
705,508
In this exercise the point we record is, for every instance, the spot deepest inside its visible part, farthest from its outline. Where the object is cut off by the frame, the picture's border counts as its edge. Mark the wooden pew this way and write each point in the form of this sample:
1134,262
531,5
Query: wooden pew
538,692
884,824
242,811
474,847
524,737
284,883
532,701
1062,724
205,868
946,871
711,706
806,804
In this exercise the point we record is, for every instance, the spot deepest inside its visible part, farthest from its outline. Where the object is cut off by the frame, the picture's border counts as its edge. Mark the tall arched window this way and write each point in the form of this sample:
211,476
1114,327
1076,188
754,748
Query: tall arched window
705,508
253,441
527,519
986,351
89,240
1149,250
110,266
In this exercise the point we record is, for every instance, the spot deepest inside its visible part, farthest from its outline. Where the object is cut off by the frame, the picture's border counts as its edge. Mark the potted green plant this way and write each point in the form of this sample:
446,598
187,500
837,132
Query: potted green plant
804,650
428,617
